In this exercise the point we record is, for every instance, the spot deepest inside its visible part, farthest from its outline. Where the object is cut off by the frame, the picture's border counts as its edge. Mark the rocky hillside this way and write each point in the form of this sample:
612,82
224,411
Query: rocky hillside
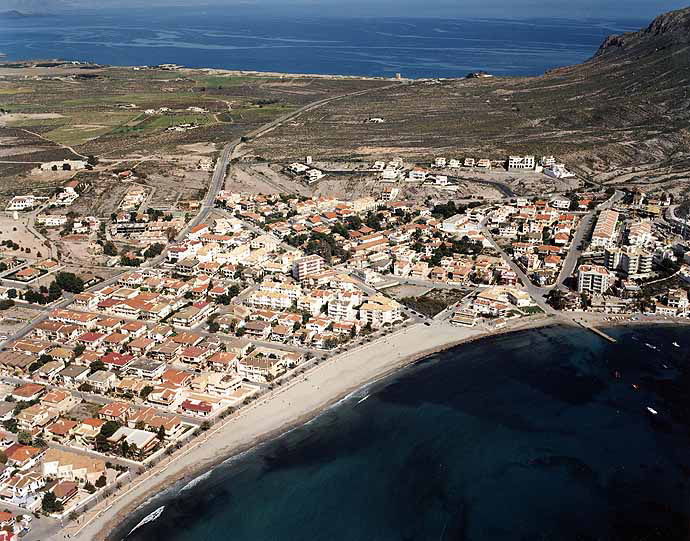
623,113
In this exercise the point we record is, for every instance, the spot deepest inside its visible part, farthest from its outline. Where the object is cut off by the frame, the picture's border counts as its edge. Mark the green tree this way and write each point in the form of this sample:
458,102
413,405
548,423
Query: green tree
145,392
101,481
109,428
109,248
50,503
161,433
97,365
69,281
24,437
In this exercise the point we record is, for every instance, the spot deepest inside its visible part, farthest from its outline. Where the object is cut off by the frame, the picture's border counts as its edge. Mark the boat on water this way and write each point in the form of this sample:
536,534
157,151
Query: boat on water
652,411
650,346
676,344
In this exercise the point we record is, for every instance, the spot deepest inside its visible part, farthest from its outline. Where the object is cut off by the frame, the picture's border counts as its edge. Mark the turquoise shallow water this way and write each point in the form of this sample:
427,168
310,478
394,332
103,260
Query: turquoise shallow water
531,436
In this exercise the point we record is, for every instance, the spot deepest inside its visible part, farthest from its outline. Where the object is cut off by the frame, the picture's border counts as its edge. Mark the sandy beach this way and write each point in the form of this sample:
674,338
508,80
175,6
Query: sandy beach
287,406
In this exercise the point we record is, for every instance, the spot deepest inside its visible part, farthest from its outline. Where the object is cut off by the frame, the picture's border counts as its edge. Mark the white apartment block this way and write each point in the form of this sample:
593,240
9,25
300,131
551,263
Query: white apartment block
516,163
593,279
307,265
379,310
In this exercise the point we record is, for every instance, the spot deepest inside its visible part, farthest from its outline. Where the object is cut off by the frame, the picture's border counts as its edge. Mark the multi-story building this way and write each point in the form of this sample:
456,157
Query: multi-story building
629,260
378,310
304,266
605,230
593,279
516,163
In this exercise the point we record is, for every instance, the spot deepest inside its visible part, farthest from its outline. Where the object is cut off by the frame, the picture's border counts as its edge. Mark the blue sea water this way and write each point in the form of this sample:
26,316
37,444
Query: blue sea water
537,435
232,39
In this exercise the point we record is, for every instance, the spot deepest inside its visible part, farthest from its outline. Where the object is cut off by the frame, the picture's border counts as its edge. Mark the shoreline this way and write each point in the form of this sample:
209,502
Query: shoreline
199,459
239,433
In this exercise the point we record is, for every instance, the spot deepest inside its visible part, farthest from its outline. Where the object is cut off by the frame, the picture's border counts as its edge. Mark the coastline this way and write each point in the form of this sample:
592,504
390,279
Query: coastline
274,414
318,389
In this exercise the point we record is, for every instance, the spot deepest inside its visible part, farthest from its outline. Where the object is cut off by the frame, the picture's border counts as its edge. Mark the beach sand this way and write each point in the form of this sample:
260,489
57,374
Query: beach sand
290,405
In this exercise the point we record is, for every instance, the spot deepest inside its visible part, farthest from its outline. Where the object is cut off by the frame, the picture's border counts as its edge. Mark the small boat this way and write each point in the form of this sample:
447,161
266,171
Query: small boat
676,344
635,386
652,411
650,345
362,399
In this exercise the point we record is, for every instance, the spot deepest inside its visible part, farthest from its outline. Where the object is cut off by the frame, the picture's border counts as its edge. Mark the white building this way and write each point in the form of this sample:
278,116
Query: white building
379,310
390,175
593,279
558,170
51,220
313,175
307,265
517,163
417,175
24,202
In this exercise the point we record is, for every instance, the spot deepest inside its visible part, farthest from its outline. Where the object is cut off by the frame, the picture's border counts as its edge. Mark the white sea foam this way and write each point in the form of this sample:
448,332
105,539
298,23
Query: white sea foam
148,518
194,482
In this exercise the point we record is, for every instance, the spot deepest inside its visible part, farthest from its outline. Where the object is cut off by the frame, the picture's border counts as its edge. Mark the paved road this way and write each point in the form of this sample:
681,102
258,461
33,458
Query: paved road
582,230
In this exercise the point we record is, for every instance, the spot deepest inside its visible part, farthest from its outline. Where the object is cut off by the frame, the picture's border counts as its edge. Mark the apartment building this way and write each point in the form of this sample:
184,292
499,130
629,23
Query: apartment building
378,310
304,266
605,229
593,279
518,163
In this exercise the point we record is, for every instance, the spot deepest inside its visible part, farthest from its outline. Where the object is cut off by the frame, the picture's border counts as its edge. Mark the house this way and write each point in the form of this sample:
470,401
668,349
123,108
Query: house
64,491
62,429
21,488
117,361
115,411
21,456
28,392
417,175
260,368
258,329
152,419
142,442
102,380
61,400
74,375
222,360
72,466
36,417
197,407
86,431
147,369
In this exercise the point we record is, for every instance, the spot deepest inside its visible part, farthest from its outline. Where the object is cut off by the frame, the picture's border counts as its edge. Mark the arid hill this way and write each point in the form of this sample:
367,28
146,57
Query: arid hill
624,111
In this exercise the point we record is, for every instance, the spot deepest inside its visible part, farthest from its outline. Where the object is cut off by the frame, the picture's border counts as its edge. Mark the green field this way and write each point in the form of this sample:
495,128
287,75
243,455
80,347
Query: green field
77,128
159,123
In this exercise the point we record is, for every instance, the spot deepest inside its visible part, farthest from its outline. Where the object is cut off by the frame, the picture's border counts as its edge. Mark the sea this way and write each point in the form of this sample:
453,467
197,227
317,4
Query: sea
531,436
239,39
